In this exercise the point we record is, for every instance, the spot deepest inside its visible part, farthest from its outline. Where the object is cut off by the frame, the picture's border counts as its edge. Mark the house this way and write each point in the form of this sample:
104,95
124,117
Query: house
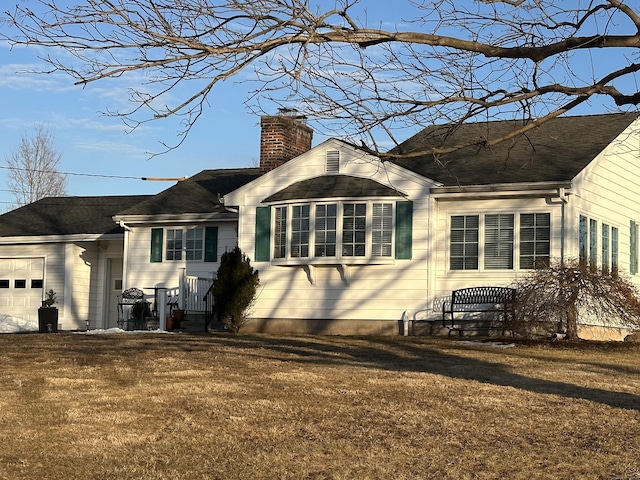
346,243
67,244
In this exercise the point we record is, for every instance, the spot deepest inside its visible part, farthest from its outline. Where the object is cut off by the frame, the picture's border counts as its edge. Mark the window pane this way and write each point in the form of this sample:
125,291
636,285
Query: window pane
174,244
325,230
535,235
582,239
382,230
593,242
300,231
498,241
614,249
354,224
280,233
464,242
195,244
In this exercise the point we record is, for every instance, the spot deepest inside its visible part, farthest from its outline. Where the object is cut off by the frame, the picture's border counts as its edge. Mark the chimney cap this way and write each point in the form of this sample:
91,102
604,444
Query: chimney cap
292,113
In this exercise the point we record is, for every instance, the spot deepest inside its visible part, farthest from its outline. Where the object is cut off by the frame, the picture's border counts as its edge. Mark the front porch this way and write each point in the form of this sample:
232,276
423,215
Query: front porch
187,306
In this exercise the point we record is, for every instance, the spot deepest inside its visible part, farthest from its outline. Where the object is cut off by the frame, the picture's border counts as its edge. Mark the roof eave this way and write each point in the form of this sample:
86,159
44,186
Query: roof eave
176,218
81,237
501,190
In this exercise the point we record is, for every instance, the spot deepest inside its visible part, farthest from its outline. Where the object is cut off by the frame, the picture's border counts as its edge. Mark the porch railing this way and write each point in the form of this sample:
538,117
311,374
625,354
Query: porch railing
192,292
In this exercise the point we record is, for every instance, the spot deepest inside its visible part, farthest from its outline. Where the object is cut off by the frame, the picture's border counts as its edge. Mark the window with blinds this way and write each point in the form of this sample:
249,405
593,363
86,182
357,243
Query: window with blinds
344,231
499,247
354,229
382,230
535,240
280,233
498,242
464,242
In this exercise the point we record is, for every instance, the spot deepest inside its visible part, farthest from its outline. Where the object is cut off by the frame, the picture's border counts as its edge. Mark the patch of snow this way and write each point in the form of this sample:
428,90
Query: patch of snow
489,344
101,331
11,324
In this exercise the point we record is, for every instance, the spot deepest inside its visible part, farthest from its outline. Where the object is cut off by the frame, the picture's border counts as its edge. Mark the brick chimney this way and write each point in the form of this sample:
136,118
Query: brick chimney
283,137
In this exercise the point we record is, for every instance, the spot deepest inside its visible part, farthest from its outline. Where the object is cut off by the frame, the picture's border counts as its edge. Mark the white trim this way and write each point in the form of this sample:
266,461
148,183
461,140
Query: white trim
59,238
226,216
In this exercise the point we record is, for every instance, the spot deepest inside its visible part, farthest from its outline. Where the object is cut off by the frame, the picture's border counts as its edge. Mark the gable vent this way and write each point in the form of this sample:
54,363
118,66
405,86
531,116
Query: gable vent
332,164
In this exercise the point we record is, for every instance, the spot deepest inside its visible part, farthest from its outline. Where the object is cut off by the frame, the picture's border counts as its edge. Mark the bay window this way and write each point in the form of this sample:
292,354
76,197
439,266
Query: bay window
341,231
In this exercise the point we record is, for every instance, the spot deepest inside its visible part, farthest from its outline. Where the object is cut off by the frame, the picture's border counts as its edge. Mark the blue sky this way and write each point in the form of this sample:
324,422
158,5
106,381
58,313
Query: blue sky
226,136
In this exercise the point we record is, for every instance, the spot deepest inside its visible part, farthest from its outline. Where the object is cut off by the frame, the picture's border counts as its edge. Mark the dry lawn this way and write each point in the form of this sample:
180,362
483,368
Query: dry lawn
261,407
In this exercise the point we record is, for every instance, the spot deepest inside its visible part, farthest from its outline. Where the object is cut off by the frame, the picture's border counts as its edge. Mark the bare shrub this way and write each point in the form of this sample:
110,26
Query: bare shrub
559,293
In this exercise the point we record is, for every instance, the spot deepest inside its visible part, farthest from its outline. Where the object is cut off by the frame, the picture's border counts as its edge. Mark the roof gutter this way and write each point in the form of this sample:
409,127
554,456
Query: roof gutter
502,190
175,218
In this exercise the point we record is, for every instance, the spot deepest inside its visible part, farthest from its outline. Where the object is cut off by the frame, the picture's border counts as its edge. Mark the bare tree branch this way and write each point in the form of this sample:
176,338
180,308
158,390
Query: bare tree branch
451,61
33,168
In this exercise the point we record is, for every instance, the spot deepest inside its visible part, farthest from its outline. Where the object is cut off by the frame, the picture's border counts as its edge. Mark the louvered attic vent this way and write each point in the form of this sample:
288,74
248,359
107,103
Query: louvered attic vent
332,164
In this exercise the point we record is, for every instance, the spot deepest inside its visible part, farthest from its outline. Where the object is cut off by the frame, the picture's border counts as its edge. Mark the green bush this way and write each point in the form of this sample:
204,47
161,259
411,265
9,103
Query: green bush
234,289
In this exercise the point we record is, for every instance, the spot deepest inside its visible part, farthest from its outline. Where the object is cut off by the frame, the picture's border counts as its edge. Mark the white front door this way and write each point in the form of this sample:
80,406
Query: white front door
114,289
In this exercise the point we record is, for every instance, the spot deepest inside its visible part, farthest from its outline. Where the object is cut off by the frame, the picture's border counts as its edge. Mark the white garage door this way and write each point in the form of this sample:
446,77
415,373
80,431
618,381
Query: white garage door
21,282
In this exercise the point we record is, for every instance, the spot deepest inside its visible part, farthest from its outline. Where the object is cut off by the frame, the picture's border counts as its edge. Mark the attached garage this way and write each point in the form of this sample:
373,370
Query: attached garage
21,284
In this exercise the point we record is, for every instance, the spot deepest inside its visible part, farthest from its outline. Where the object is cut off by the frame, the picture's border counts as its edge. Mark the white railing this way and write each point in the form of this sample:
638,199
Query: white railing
188,295
193,290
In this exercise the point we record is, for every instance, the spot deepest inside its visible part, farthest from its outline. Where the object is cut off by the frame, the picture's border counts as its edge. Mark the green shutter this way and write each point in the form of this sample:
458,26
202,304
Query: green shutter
404,227
263,234
156,244
211,244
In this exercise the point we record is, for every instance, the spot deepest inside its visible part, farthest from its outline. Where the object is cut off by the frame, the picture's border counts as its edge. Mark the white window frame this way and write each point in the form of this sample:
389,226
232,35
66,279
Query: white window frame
173,253
482,238
387,247
183,253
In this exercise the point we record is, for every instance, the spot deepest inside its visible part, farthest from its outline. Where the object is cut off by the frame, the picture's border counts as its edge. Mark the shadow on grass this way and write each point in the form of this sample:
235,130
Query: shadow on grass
413,354
418,356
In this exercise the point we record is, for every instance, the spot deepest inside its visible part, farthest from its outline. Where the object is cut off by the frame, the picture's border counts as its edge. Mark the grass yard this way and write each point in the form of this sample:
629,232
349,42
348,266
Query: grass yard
152,406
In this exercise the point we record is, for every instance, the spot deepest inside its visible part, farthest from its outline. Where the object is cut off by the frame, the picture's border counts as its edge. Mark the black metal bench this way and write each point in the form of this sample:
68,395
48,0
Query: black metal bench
480,299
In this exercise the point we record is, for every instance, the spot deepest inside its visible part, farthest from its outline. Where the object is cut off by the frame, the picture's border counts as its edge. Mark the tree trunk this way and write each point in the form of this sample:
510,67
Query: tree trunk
572,320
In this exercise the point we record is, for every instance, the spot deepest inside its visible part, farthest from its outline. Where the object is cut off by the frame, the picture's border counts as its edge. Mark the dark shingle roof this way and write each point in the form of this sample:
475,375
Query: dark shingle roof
555,151
67,216
198,194
332,186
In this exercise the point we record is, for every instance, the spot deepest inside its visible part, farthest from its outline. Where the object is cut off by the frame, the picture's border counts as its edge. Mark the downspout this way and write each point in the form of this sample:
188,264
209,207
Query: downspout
564,199
125,256
562,194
